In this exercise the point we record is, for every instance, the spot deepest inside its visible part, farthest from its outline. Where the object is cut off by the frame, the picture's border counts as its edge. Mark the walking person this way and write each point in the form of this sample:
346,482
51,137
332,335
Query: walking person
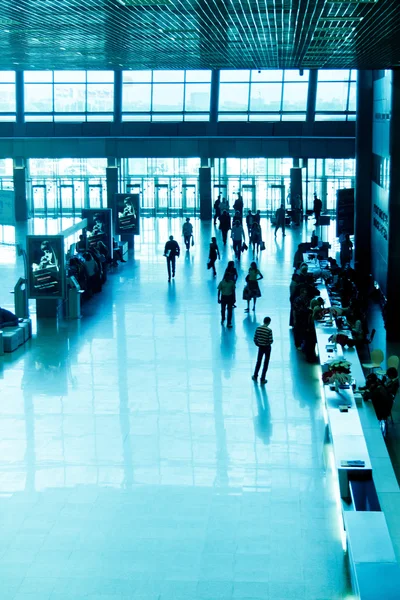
346,249
226,295
171,251
249,221
187,232
232,274
253,290
213,255
255,237
257,217
280,217
238,204
224,225
317,208
263,339
237,235
217,209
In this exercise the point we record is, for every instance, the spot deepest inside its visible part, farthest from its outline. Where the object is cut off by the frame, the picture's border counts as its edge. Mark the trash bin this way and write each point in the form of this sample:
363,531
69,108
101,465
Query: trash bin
74,299
21,299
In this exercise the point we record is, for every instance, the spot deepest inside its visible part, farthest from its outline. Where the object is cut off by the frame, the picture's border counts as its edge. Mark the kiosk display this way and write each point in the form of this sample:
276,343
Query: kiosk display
128,213
345,211
45,257
99,227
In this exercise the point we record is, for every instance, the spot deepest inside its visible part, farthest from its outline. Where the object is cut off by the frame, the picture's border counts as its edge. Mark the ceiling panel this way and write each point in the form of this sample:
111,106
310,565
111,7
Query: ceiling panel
197,34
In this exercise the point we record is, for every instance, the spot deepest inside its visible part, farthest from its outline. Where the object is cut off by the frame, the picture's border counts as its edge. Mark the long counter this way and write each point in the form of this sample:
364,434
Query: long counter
370,492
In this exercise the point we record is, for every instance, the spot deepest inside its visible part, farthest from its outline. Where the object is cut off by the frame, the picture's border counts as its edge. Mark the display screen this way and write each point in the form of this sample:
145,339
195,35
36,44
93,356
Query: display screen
99,227
128,208
45,254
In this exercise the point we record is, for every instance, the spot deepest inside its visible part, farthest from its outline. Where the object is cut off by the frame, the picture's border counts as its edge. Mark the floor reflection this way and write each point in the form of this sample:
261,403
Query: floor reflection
139,459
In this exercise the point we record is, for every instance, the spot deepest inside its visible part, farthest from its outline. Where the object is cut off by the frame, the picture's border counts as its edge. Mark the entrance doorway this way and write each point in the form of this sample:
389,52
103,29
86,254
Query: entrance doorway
276,197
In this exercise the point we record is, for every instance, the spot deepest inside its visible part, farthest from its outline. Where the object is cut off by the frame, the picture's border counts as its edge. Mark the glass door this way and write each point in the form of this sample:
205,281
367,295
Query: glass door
175,197
276,197
79,196
39,203
95,195
249,196
67,199
162,194
189,197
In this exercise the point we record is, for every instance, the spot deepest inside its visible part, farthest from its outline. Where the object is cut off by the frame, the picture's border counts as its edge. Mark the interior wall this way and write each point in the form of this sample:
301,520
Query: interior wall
382,106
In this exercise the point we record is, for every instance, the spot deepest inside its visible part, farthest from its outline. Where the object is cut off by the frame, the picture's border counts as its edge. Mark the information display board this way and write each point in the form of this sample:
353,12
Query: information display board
46,266
345,211
127,207
99,227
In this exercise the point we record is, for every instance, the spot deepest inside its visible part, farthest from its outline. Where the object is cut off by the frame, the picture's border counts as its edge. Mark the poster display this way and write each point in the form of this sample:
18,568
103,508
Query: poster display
345,211
99,227
46,266
7,207
128,212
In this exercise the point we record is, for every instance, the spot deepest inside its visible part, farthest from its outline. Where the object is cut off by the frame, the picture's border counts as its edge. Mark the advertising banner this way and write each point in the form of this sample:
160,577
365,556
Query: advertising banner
345,211
127,207
99,227
7,207
46,266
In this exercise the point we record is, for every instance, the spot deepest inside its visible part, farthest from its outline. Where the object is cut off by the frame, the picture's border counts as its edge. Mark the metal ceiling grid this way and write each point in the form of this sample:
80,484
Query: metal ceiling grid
199,34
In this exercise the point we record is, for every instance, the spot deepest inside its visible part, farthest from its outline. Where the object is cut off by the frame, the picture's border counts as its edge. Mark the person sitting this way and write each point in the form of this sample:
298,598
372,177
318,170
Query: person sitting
81,245
7,318
117,254
381,398
391,381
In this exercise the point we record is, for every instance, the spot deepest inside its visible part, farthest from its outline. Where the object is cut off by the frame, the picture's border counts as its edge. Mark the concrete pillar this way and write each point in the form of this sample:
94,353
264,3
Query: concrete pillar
112,172
363,191
19,96
205,190
393,276
214,96
117,96
312,95
21,201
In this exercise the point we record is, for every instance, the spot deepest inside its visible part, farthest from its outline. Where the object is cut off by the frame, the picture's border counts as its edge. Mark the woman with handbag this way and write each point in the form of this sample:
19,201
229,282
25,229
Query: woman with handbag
252,289
213,255
255,237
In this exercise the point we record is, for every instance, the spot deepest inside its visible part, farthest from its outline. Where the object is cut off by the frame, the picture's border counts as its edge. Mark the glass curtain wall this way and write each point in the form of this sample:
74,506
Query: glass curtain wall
167,186
6,174
336,95
325,176
59,187
166,95
262,95
263,182
69,96
8,108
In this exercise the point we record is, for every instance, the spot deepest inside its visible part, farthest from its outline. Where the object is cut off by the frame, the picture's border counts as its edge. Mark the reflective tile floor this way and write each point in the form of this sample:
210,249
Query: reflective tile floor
138,460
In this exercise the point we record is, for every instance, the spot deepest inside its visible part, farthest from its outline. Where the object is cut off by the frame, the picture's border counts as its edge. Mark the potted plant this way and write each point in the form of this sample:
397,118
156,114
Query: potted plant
338,373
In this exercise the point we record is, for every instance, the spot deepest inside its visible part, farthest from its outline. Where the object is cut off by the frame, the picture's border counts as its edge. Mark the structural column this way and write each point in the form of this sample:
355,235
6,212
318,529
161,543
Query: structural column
205,189
214,96
20,197
19,96
312,95
112,181
393,276
363,191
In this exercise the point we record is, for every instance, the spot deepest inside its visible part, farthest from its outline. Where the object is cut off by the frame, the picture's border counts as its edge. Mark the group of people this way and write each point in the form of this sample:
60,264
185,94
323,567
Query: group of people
351,288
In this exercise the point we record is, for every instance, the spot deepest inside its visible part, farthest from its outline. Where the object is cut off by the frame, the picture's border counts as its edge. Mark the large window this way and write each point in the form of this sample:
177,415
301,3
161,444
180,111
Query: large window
262,95
69,95
7,96
166,95
336,95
